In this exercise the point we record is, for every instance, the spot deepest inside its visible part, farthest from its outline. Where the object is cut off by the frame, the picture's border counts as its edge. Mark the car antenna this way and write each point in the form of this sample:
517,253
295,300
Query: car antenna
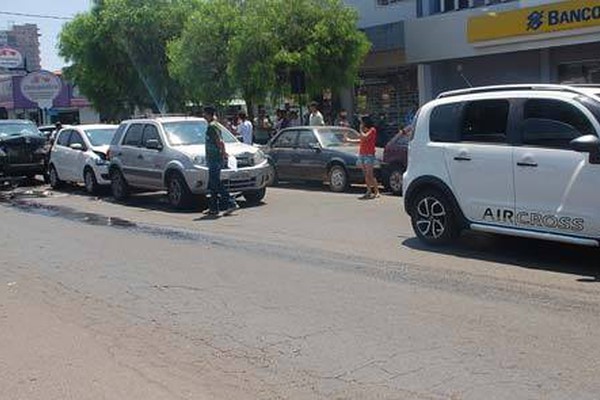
459,69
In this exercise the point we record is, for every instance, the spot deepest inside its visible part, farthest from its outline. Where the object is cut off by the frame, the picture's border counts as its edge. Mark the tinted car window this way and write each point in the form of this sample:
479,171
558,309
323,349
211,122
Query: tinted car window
63,138
76,139
306,139
133,136
443,123
485,121
286,140
553,123
150,133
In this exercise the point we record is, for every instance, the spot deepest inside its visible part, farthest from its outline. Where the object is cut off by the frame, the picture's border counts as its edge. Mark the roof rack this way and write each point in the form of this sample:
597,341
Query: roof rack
505,88
152,115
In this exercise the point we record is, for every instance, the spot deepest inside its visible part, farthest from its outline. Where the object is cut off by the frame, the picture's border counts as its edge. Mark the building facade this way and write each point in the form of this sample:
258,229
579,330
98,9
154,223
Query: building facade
25,39
462,43
387,86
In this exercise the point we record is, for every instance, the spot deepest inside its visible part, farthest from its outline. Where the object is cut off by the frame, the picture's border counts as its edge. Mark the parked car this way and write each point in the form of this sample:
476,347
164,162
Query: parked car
518,160
79,156
320,153
23,149
169,153
395,159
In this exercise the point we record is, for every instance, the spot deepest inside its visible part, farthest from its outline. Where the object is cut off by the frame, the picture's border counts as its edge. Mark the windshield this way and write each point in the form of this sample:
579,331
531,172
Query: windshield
184,133
337,137
18,129
100,136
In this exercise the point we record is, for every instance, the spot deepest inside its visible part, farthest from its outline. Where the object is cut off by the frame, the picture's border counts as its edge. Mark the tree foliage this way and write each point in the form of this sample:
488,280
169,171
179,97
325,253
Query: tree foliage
118,53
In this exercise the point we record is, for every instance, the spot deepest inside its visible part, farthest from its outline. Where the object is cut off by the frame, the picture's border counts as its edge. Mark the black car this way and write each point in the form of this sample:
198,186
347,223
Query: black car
320,153
23,149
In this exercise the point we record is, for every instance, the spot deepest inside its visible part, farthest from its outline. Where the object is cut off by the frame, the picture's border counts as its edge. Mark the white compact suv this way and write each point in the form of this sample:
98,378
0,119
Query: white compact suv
78,155
169,153
521,160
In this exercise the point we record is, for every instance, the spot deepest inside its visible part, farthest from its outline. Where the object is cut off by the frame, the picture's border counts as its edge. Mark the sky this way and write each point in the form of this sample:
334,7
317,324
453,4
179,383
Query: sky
48,28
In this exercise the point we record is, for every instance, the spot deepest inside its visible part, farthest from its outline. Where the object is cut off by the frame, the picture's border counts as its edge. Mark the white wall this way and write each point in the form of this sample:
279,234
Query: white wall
444,36
371,14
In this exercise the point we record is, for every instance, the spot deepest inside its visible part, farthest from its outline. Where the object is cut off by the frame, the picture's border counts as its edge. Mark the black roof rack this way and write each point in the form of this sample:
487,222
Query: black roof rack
151,115
505,88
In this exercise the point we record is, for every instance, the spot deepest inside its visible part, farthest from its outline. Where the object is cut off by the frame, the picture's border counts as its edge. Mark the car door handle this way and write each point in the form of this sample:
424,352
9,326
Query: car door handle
527,164
462,158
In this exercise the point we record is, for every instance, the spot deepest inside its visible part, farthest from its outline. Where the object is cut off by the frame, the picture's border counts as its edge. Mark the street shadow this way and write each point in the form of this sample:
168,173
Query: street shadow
520,252
312,186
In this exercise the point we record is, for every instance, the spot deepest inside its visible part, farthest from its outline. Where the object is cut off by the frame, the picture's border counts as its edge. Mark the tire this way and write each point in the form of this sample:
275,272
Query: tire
178,193
393,180
433,217
118,185
338,178
53,178
90,181
254,197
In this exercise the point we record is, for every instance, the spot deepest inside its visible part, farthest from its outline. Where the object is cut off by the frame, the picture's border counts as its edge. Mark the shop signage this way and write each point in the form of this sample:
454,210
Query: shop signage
10,58
557,17
41,87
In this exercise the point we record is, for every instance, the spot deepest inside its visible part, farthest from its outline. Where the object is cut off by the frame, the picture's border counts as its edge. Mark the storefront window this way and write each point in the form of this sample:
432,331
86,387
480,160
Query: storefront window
579,72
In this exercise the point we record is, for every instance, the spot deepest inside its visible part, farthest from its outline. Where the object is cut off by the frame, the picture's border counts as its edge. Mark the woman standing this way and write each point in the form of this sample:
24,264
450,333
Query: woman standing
366,155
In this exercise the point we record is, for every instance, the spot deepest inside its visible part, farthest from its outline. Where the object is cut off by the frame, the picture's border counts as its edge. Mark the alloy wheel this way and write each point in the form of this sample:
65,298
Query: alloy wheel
431,218
395,181
175,191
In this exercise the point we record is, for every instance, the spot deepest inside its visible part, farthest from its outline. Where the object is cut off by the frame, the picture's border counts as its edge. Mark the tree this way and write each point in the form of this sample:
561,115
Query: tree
118,53
199,59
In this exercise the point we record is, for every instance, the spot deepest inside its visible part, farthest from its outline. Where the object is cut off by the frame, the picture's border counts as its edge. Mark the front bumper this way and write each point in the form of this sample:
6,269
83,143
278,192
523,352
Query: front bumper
101,172
240,180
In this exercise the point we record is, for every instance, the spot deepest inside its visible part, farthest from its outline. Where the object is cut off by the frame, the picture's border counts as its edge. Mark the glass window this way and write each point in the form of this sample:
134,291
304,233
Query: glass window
8,129
337,137
133,137
286,139
443,123
150,133
485,121
100,136
76,139
184,133
63,138
307,139
553,123
118,135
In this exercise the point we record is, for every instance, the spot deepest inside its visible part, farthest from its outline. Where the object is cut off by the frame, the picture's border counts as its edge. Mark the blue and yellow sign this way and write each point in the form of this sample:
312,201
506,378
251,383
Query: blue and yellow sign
549,18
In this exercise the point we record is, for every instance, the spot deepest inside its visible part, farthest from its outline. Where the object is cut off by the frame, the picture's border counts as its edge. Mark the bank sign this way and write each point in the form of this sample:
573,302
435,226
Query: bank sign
557,17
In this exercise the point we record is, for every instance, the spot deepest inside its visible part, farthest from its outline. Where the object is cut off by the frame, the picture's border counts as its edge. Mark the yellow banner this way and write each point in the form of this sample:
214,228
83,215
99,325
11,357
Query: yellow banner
549,18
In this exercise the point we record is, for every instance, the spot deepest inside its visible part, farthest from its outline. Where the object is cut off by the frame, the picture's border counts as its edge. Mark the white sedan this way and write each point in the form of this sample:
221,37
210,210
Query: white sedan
79,156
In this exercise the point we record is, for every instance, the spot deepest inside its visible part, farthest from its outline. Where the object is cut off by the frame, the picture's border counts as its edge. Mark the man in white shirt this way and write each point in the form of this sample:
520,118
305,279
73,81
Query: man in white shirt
315,118
245,128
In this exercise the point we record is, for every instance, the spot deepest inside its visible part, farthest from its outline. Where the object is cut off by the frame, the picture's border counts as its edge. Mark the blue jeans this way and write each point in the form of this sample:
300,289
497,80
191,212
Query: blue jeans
219,195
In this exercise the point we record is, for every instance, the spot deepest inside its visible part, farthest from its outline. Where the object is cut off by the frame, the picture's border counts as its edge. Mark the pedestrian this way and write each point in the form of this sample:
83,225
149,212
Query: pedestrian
283,120
262,126
216,157
343,119
244,128
315,118
295,120
366,155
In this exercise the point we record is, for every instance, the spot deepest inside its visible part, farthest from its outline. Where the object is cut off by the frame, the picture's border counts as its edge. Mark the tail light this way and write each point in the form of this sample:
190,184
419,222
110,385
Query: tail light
108,154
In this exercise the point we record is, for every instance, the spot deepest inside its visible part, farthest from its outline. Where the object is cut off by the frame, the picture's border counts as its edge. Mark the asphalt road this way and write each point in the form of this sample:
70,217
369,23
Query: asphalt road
311,295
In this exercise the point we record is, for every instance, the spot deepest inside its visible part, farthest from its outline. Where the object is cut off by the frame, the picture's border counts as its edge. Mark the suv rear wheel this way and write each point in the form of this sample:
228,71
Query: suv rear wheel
433,217
178,192
118,185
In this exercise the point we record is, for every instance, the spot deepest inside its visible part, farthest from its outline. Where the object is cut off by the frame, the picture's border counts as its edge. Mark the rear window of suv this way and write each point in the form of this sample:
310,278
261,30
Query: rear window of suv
443,123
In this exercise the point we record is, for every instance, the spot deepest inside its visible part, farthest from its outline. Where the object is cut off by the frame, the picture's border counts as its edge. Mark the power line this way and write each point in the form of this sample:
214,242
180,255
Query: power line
16,14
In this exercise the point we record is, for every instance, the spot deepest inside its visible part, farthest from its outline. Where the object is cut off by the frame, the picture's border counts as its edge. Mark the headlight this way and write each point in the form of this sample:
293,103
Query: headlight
199,160
259,157
100,161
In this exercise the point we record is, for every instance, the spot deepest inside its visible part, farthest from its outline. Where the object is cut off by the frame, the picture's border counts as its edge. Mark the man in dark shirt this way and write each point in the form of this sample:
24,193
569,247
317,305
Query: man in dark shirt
216,157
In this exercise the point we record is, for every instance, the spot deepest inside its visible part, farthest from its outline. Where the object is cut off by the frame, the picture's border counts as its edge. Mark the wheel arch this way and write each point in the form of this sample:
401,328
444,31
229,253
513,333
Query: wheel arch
432,182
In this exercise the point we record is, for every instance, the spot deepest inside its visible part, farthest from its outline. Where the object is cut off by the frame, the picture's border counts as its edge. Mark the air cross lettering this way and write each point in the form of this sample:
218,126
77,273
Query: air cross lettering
532,219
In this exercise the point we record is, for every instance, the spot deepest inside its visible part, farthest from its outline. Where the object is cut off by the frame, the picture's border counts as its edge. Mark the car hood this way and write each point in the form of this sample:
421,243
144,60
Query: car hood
25,139
234,149
101,149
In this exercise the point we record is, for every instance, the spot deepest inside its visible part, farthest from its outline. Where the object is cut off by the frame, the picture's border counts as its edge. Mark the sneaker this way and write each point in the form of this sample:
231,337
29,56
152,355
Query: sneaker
366,196
376,196
212,212
234,206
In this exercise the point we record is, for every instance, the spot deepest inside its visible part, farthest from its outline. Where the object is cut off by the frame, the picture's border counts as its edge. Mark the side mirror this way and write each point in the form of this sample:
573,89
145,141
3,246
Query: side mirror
76,146
154,144
586,144
315,146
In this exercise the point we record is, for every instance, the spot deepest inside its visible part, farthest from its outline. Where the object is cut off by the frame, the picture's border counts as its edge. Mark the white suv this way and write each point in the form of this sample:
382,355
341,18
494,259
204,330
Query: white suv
521,160
169,153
